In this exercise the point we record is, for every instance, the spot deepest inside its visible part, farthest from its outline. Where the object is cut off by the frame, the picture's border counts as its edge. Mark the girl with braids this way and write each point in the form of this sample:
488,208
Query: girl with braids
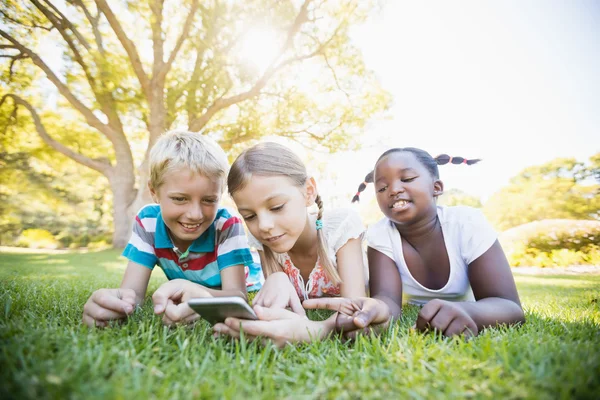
446,259
303,256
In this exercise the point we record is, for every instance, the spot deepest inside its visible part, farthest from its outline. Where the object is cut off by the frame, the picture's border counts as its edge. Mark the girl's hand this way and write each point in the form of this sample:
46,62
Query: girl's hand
278,292
447,317
359,315
170,299
277,325
105,305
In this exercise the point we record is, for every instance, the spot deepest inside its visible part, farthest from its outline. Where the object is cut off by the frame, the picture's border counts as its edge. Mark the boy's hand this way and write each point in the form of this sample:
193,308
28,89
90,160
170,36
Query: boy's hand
278,292
105,305
447,317
170,299
359,315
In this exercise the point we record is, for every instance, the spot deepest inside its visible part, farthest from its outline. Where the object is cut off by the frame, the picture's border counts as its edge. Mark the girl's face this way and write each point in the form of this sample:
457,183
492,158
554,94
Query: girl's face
405,189
188,204
275,210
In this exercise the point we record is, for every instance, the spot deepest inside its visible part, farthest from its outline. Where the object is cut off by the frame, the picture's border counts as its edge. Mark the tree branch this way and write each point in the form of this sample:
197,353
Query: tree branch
89,116
67,22
156,7
129,47
222,103
184,34
97,165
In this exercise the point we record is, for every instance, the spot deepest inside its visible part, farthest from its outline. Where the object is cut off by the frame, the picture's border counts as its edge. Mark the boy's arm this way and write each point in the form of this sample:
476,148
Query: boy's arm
233,283
351,269
136,278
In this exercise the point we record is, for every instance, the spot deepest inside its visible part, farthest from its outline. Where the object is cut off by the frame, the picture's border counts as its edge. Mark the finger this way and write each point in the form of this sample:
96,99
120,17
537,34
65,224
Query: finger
328,303
274,314
373,312
191,318
470,330
427,313
258,298
97,312
168,291
296,305
364,331
250,328
443,319
344,322
178,312
456,327
109,301
129,296
223,329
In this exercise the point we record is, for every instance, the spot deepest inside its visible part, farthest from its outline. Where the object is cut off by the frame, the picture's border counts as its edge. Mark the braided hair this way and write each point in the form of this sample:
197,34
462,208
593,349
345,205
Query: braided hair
429,162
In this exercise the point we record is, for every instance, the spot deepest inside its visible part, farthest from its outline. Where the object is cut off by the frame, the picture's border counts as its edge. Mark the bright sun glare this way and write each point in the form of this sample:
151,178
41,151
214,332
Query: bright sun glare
259,47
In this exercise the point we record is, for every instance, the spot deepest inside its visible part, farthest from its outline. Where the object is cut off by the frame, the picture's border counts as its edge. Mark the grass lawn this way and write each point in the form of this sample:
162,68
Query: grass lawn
45,352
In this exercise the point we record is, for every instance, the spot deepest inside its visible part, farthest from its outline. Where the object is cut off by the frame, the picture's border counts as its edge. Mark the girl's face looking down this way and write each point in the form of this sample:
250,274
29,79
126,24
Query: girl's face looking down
405,190
274,210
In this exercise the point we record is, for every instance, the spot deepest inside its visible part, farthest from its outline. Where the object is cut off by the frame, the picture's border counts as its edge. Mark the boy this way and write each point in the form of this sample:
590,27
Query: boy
201,248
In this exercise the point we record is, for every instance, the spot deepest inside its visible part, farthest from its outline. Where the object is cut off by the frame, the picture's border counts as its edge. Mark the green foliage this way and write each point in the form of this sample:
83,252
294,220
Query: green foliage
559,189
46,353
553,243
37,239
456,197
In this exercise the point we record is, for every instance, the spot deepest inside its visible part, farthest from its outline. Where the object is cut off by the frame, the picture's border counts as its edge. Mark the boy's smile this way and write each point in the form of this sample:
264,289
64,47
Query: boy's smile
188,203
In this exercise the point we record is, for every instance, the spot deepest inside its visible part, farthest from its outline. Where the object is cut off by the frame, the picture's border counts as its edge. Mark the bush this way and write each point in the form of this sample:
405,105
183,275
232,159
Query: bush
553,243
37,239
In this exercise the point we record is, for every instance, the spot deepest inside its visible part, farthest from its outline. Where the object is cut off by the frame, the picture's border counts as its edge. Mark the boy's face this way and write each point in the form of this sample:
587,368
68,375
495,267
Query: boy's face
188,204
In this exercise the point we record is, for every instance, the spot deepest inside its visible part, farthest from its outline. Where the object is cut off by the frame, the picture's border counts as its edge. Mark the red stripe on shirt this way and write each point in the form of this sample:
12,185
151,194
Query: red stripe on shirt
230,221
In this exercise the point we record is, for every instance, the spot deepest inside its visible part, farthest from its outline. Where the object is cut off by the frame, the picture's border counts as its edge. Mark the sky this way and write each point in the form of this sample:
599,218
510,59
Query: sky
515,83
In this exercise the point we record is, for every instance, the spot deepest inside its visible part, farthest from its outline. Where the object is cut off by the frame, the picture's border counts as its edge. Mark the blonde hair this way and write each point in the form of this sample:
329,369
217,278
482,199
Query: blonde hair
272,159
176,149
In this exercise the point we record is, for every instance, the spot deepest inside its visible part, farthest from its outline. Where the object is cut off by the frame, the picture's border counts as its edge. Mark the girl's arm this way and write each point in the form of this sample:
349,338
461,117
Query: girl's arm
351,269
136,278
385,283
494,289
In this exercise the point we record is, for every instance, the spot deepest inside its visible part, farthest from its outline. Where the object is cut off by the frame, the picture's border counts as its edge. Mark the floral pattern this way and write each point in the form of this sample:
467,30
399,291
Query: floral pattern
318,285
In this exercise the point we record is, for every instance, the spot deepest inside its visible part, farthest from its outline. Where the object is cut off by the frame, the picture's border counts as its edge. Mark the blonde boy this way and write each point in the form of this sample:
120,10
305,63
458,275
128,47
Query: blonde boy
201,248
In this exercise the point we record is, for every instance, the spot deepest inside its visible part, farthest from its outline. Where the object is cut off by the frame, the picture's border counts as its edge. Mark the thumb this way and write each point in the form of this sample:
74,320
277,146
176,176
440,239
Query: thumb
372,312
273,314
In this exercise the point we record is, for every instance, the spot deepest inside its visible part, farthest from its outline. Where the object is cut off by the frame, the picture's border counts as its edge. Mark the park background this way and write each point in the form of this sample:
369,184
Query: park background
86,87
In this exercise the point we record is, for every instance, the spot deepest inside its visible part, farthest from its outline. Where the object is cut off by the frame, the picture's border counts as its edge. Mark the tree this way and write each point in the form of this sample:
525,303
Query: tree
132,70
456,197
559,189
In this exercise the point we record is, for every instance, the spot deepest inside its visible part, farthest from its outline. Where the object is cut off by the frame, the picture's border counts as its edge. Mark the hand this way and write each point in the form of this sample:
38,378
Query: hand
278,325
447,317
170,299
105,305
278,292
360,315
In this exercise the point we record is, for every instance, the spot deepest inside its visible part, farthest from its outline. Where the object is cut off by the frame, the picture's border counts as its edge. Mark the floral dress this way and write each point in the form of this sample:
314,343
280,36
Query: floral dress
318,285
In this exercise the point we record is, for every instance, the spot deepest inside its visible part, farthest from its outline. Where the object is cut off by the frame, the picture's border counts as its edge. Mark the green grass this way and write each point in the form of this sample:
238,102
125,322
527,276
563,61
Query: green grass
46,353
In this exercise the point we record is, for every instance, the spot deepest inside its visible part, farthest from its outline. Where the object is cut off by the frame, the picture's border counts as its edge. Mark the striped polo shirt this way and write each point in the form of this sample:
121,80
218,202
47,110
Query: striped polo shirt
223,244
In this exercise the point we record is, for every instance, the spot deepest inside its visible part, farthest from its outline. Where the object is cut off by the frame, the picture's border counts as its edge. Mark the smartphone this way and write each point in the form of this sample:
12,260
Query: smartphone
216,309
